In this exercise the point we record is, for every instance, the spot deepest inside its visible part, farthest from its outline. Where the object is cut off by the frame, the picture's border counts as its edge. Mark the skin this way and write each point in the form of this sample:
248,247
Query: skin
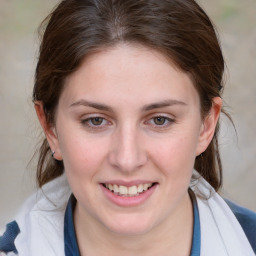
132,85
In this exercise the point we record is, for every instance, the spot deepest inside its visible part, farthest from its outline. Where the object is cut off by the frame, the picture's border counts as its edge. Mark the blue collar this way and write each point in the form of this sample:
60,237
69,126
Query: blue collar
70,240
196,241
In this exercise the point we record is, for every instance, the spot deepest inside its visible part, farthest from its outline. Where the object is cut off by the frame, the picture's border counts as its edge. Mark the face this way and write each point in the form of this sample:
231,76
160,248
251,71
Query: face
128,128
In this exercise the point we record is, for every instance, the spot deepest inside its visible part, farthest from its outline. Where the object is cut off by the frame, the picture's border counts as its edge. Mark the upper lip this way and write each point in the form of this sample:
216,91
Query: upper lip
128,183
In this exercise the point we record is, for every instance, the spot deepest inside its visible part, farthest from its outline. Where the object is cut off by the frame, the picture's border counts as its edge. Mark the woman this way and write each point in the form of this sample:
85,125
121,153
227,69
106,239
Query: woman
128,94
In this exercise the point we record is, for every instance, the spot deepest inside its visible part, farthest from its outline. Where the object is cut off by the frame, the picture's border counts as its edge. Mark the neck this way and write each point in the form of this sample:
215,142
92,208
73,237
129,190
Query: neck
171,237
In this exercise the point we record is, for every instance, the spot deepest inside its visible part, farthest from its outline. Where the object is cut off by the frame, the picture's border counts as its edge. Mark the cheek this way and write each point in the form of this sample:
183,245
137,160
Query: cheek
176,155
82,162
82,156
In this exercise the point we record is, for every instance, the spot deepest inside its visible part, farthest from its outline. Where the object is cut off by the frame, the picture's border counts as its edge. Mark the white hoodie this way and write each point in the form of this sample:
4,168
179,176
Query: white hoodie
41,221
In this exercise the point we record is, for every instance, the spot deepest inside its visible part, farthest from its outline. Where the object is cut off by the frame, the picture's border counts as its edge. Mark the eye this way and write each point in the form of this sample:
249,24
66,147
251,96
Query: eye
95,122
160,121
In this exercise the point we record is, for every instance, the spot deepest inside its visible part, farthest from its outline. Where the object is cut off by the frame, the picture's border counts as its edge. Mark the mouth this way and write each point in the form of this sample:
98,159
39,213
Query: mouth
131,191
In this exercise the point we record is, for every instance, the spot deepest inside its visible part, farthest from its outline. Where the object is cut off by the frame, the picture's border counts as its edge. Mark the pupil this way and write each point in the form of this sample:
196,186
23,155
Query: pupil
159,120
97,120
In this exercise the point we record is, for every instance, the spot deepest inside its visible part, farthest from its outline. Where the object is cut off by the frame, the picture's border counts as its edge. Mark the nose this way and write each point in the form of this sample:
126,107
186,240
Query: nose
127,151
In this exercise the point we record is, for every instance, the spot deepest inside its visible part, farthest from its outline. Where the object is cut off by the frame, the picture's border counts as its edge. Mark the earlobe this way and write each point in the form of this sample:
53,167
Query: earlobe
209,125
49,130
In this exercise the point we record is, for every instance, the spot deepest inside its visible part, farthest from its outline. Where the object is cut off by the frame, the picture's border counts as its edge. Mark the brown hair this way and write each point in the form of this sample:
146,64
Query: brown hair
179,29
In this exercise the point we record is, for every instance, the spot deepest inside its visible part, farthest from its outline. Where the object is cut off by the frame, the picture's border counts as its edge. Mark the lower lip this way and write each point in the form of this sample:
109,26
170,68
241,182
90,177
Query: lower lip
128,201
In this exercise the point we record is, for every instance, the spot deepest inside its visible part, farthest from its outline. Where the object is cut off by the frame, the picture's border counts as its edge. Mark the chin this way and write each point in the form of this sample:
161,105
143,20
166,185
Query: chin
126,226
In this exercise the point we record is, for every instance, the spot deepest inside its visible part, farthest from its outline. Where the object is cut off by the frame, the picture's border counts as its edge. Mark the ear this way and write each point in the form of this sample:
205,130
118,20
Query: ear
49,130
208,126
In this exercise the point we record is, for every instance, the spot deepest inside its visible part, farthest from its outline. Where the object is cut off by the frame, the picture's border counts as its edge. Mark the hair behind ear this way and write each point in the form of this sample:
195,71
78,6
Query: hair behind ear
53,168
208,164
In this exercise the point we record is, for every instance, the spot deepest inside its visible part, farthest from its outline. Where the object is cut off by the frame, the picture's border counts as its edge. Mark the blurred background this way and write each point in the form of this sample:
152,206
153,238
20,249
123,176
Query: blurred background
20,133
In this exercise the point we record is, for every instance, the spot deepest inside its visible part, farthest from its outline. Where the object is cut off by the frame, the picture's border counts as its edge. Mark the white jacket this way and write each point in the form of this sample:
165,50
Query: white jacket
41,221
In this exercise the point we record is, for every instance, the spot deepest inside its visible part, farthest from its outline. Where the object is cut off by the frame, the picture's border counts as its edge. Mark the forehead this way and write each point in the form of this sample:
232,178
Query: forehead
127,71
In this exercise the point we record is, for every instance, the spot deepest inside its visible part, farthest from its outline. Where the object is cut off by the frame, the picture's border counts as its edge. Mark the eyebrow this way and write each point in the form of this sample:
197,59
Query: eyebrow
103,107
161,104
95,105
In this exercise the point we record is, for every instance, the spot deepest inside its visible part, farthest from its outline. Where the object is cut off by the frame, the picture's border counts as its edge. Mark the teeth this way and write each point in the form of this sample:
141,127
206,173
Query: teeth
132,190
123,190
116,189
145,186
140,188
128,191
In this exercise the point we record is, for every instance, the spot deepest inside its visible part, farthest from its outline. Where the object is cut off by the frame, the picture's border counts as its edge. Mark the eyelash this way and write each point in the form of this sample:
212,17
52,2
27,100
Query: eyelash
88,122
167,121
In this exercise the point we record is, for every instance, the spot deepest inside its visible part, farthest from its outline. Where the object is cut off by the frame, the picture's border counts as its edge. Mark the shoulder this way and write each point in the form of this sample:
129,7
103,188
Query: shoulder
246,217
40,221
7,239
247,220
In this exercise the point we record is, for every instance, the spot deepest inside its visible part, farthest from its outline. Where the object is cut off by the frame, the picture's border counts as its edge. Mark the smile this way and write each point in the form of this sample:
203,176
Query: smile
131,191
129,194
